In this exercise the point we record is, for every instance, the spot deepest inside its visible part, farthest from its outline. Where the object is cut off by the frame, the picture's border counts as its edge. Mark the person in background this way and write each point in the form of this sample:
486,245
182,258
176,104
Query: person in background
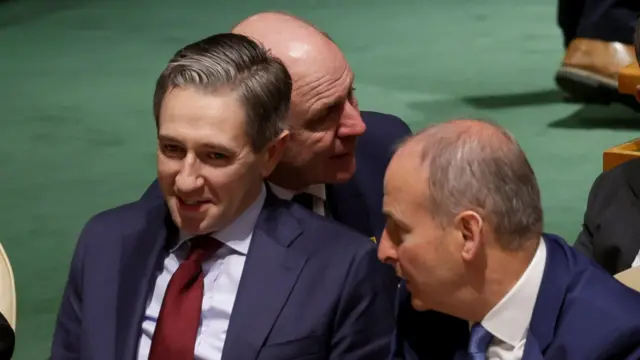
335,159
598,38
222,268
481,280
610,232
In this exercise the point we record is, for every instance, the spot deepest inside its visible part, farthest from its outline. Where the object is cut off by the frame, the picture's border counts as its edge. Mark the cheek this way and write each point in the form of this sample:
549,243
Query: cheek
167,172
228,181
306,145
410,259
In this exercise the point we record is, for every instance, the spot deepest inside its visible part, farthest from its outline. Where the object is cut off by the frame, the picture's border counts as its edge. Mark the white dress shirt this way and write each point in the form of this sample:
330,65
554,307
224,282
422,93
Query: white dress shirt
509,320
318,191
222,277
636,261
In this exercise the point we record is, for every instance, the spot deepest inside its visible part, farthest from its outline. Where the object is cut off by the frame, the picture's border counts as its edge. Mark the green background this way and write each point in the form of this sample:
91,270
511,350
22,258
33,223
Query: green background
77,77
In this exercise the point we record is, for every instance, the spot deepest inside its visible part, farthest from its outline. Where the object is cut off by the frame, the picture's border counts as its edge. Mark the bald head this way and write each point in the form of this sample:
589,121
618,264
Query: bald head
479,166
293,40
463,134
324,119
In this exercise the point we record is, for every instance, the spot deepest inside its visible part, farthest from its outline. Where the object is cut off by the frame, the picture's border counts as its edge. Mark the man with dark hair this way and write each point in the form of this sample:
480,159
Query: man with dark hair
222,268
336,156
598,37
482,281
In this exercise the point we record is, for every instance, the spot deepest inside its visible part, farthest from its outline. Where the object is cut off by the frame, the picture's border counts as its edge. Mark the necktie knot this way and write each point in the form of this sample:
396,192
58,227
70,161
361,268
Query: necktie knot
305,199
479,341
201,247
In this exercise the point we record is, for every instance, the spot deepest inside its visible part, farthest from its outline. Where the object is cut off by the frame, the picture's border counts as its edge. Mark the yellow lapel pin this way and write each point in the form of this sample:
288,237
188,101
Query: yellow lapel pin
373,238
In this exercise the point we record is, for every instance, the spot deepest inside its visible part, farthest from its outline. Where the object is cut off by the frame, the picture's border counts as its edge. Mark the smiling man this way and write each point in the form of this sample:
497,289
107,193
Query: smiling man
482,280
222,268
336,156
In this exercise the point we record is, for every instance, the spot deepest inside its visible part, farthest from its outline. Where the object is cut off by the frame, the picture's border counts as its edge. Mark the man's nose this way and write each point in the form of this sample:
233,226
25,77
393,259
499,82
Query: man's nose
189,178
351,123
386,250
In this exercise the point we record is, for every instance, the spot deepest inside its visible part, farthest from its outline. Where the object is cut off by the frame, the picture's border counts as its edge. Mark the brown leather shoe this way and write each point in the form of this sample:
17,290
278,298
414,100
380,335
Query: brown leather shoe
589,71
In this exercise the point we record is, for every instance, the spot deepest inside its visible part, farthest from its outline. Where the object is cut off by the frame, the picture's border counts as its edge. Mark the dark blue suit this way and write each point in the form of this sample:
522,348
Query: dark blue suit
581,313
311,288
358,202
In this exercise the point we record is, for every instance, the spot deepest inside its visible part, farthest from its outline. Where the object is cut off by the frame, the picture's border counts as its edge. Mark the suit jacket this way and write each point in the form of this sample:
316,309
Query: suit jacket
310,288
581,313
358,202
611,230
7,339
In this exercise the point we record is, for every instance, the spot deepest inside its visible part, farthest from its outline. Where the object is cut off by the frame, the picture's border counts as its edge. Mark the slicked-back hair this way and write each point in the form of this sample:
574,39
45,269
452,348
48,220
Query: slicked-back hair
232,62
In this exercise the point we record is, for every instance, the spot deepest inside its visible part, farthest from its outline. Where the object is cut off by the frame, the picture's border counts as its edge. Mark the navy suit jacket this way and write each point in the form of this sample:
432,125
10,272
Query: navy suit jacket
581,313
311,288
358,202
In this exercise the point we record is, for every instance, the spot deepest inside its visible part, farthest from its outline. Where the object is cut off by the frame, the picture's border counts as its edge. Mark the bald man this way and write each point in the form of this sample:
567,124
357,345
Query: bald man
482,281
335,159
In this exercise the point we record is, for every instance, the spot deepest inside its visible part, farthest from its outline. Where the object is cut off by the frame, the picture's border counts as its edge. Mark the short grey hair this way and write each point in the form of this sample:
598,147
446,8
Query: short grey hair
237,63
484,169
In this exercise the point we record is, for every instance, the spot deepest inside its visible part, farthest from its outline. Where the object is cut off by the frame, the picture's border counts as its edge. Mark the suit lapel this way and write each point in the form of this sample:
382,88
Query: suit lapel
141,256
270,273
532,349
550,296
348,206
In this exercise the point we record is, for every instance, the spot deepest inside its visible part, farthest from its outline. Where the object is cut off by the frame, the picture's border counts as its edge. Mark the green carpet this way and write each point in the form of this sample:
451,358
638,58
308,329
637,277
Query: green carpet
77,134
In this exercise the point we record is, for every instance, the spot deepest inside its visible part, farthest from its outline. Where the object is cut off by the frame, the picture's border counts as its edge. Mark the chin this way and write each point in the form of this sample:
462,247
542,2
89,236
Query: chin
192,224
343,174
418,305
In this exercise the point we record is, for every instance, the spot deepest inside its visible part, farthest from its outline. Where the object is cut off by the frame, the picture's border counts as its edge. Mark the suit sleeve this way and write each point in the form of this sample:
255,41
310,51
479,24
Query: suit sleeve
584,243
7,339
68,328
365,320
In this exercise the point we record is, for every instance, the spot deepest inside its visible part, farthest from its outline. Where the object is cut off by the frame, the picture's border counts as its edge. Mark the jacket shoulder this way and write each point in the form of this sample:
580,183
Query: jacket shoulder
330,234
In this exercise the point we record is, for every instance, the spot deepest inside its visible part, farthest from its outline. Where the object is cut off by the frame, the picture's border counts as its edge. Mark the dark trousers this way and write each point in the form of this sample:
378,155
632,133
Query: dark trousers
607,20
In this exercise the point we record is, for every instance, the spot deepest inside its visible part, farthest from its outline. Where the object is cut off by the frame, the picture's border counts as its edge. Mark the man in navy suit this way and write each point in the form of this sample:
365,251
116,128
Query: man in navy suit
329,134
222,268
481,280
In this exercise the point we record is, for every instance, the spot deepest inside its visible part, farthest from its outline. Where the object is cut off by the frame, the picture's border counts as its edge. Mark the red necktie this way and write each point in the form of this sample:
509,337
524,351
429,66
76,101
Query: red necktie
175,334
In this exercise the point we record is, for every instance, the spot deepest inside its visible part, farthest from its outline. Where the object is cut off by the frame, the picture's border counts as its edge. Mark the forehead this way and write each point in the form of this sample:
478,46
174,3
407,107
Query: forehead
405,181
321,84
193,116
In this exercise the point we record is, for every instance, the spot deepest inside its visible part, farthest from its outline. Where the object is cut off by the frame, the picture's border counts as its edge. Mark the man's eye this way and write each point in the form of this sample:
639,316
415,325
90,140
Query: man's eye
172,150
217,156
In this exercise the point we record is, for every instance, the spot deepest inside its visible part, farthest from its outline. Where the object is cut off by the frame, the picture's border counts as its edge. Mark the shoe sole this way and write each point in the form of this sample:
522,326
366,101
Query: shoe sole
587,87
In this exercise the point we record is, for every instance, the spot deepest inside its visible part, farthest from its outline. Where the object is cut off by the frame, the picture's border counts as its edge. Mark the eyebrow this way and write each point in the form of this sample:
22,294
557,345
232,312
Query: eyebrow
215,147
389,215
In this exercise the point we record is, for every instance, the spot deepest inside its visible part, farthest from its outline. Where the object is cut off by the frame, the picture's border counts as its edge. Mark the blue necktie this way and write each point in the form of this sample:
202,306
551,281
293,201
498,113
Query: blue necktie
479,341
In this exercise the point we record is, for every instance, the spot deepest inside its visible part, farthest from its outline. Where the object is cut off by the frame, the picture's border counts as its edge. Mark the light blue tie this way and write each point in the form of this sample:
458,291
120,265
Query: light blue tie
479,341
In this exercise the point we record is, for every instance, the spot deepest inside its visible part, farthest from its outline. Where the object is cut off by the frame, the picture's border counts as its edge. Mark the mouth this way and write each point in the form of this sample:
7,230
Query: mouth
192,205
341,156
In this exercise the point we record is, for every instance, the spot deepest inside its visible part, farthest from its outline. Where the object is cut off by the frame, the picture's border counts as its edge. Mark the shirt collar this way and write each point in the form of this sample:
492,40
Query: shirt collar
236,235
509,319
317,190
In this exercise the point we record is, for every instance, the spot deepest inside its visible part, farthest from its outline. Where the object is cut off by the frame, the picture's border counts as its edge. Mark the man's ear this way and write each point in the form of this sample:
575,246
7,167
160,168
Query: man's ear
469,224
273,153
